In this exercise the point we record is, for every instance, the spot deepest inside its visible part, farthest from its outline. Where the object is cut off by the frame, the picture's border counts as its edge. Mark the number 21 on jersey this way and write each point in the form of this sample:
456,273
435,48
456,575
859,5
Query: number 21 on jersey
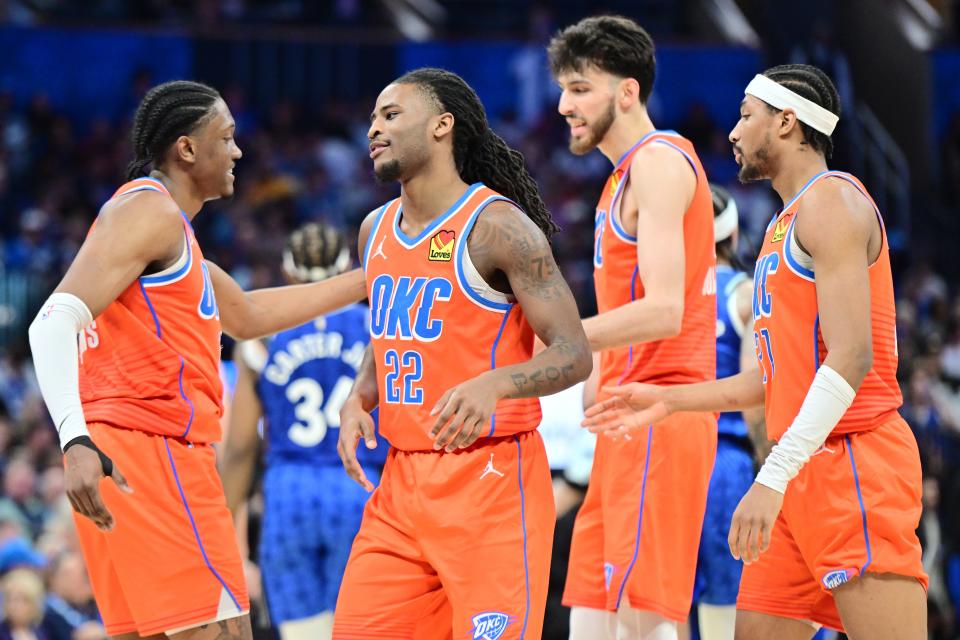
762,308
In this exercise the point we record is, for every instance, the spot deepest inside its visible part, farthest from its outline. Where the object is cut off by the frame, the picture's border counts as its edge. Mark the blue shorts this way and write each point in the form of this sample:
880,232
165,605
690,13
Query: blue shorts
718,573
311,515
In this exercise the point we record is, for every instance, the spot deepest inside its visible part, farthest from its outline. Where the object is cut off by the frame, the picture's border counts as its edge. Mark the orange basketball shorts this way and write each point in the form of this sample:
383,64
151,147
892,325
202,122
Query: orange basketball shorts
636,537
853,508
453,545
171,560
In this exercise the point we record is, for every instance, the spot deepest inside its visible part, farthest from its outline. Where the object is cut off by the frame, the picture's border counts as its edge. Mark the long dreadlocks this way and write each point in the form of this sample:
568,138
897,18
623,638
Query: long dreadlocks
479,153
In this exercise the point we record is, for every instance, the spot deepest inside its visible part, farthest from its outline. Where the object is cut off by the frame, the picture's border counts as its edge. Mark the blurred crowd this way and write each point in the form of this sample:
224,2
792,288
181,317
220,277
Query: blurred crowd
56,172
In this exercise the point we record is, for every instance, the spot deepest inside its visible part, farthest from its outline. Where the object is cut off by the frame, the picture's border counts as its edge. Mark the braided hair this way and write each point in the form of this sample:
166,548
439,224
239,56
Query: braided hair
316,251
168,111
479,153
814,85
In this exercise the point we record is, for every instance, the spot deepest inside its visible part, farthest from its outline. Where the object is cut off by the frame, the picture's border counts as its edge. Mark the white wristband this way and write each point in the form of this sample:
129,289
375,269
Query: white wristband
827,400
53,341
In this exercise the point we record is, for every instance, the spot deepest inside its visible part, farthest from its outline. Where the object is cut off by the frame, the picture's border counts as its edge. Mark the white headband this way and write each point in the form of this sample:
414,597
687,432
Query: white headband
315,274
726,223
778,96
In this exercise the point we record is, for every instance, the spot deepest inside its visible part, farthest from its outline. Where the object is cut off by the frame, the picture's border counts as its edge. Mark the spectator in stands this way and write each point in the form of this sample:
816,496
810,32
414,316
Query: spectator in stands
71,613
22,606
20,497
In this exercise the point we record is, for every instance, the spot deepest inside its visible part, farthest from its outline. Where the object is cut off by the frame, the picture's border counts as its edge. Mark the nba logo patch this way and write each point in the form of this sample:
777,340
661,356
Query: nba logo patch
836,578
608,570
489,625
441,246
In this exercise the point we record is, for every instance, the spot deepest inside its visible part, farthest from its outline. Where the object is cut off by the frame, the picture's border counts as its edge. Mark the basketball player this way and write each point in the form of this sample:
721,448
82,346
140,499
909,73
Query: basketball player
312,510
146,403
635,542
455,542
827,528
718,573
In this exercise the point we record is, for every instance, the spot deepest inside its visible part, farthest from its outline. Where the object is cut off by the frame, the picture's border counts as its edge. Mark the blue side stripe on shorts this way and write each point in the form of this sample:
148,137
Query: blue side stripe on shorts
196,533
643,492
523,523
863,511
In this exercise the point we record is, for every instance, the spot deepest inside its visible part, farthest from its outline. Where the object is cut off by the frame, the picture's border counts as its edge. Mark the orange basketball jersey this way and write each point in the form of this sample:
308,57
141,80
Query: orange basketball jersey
787,333
435,323
150,361
691,355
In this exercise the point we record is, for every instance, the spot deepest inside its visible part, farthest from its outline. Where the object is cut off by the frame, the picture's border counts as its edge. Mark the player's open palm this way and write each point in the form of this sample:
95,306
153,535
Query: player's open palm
464,412
355,423
752,523
84,467
626,408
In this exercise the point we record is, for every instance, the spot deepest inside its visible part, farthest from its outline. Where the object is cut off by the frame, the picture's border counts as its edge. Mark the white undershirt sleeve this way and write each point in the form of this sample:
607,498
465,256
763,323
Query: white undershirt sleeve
827,400
53,341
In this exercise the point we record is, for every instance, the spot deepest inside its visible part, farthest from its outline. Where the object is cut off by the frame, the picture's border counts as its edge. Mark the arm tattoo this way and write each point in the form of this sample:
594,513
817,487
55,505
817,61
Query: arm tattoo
504,242
542,380
550,378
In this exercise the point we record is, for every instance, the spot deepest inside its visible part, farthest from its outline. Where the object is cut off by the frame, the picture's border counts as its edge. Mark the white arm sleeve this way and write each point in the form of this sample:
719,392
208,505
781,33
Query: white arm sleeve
53,341
827,400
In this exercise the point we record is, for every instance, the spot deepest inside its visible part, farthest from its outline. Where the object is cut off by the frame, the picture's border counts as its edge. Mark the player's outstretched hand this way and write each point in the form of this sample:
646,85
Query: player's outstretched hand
626,408
85,466
463,413
753,521
355,423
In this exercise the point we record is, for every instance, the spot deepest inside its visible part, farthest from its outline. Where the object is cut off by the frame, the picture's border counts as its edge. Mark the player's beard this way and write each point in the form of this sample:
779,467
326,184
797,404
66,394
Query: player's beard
387,172
757,167
597,131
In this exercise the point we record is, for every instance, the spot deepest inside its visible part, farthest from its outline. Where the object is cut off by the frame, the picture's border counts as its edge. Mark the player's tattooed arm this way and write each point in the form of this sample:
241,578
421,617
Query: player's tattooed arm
543,380
505,241
512,255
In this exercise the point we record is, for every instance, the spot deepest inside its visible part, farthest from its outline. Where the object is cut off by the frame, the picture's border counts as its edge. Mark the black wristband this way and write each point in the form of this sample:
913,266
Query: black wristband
105,462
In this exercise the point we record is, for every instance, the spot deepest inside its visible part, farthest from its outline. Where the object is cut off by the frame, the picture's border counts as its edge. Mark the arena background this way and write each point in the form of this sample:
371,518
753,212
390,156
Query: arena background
301,78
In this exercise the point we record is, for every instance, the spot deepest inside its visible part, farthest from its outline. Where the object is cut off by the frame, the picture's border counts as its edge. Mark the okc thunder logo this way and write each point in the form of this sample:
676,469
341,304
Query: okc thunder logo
836,578
489,625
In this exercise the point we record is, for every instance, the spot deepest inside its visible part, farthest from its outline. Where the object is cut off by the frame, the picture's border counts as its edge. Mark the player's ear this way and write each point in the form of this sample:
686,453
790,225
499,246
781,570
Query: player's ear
185,149
788,122
627,92
443,125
